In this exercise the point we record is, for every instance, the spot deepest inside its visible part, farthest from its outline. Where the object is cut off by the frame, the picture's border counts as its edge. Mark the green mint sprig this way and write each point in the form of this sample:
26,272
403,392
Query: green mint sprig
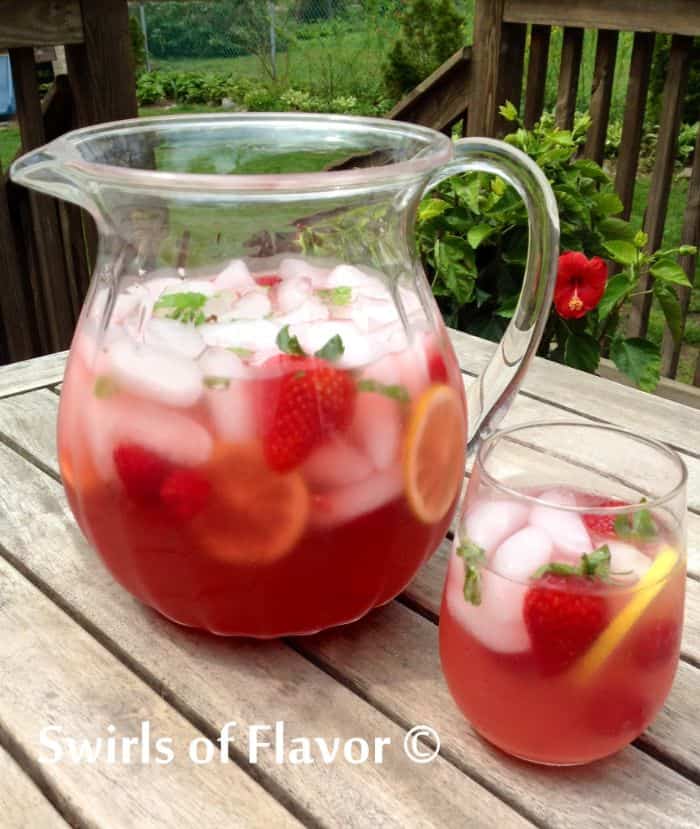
595,565
104,387
332,350
636,526
184,307
395,392
340,296
474,558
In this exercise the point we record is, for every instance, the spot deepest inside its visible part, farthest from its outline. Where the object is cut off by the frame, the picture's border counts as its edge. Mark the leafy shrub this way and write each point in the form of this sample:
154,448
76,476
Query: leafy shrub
261,99
149,89
472,233
138,45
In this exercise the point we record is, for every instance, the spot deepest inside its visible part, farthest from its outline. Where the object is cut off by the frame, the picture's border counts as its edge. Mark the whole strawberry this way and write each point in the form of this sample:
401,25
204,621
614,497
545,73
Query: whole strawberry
140,470
564,612
603,525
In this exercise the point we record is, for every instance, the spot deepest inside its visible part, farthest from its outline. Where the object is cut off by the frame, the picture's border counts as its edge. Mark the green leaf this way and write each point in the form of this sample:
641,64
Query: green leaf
498,186
671,307
333,350
217,382
395,392
342,295
638,525
185,307
508,111
591,170
474,558
582,351
592,565
639,359
243,353
289,344
666,270
612,229
622,252
616,289
607,204
477,234
507,308
104,387
430,208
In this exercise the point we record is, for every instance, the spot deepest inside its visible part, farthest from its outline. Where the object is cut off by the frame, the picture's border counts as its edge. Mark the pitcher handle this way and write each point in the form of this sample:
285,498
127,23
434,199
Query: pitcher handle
491,393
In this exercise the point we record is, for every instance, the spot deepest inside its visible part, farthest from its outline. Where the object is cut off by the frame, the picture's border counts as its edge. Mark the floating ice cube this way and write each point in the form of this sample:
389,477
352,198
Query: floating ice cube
171,435
627,562
176,337
376,428
292,268
368,314
235,277
290,294
127,304
498,621
253,335
521,554
253,305
219,304
313,336
349,502
233,411
560,496
413,368
350,276
566,529
336,463
489,522
385,370
220,362
155,373
313,310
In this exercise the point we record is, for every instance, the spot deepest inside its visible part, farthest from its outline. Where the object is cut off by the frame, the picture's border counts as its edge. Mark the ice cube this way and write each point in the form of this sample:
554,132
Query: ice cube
386,370
251,306
352,277
413,369
627,562
566,529
560,496
253,335
336,463
313,310
233,411
369,314
521,554
349,502
497,622
154,373
127,304
219,304
490,521
376,428
220,362
313,336
292,268
171,435
173,336
235,277
290,294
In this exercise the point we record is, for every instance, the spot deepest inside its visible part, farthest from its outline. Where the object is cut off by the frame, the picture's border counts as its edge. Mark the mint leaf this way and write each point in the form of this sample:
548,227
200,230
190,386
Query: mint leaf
333,350
395,392
217,382
342,295
289,344
595,565
243,353
104,387
474,558
185,307
638,526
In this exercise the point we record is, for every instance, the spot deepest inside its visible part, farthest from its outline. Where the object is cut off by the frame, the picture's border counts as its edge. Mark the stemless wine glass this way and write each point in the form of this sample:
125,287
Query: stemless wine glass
563,604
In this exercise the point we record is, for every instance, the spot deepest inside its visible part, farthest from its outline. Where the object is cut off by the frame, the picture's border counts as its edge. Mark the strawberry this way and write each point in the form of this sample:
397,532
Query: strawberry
657,643
603,524
184,493
267,280
313,400
437,369
141,471
563,612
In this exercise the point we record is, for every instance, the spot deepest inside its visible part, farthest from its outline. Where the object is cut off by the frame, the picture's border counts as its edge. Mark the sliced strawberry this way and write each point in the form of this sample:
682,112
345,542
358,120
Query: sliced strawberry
657,643
603,524
141,471
184,493
312,401
437,368
267,280
564,616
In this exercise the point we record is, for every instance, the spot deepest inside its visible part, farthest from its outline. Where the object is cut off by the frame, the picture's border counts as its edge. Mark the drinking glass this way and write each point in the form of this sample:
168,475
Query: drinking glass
562,609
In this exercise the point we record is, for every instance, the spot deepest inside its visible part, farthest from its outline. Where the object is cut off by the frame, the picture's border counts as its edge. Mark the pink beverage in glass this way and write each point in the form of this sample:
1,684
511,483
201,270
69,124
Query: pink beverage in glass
262,453
562,611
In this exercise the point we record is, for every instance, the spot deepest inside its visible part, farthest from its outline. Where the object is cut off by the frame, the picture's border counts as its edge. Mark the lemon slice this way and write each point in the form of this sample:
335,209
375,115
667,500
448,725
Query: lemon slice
650,585
433,457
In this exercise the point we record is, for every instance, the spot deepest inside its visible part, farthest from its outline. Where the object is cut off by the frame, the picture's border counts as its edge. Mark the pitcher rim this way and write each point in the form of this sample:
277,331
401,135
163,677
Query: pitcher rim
438,151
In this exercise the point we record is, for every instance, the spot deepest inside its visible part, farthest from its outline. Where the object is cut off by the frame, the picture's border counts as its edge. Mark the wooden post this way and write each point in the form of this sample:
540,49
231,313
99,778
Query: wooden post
488,23
601,94
510,72
536,74
662,175
569,71
671,351
633,124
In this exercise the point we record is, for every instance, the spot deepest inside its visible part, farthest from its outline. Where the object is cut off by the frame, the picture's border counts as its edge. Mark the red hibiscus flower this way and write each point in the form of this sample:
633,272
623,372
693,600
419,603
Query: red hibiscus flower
580,284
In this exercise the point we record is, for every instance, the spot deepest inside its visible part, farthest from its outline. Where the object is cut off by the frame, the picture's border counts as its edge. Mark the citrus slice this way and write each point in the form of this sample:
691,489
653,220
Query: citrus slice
255,515
650,585
433,454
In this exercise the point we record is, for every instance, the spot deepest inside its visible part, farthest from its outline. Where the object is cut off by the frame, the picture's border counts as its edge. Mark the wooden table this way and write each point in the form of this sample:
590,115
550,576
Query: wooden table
79,654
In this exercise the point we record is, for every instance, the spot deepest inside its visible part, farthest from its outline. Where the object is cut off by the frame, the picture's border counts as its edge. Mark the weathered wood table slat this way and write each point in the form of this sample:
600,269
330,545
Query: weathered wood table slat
78,653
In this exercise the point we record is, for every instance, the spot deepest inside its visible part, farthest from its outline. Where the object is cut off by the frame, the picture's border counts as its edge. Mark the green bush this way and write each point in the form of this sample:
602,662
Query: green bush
149,89
659,68
138,45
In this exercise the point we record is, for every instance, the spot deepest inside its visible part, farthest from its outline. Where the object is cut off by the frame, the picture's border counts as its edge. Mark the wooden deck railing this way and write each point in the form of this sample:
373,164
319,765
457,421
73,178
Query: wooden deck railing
46,246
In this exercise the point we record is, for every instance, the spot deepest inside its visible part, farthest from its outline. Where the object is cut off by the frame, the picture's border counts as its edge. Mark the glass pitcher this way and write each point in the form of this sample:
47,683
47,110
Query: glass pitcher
262,426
